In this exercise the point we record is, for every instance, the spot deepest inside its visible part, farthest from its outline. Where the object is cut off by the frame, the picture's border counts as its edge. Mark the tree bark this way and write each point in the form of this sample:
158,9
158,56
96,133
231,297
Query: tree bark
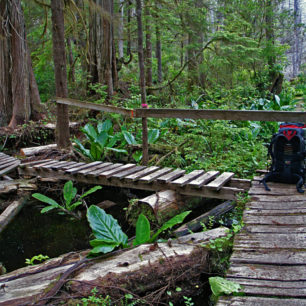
19,97
120,30
101,43
158,54
142,82
148,47
59,57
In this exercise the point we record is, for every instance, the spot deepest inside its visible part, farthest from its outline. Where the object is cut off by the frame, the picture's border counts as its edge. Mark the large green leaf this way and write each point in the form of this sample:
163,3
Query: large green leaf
82,149
104,226
142,230
48,208
69,192
170,223
95,152
221,286
44,199
102,246
130,139
90,131
102,139
104,126
153,135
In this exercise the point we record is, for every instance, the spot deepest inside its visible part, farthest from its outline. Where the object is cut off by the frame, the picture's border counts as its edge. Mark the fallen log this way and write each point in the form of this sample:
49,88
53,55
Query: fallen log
11,211
157,207
154,268
213,214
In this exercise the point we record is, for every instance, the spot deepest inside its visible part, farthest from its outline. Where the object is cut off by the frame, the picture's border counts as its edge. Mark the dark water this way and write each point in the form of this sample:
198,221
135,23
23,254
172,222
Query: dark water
32,233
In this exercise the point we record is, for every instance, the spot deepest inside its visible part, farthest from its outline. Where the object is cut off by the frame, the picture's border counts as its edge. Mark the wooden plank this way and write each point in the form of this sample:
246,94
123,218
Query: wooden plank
272,288
109,173
62,165
94,168
136,176
240,183
220,181
79,168
45,163
75,164
276,212
248,115
7,164
270,257
274,229
122,174
32,163
10,168
271,240
7,159
257,301
273,191
268,272
151,177
98,107
171,176
275,205
275,220
289,198
185,179
97,173
203,179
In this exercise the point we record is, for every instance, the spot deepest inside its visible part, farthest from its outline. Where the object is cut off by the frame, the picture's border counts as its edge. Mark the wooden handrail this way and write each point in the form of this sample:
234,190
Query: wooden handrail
249,115
98,107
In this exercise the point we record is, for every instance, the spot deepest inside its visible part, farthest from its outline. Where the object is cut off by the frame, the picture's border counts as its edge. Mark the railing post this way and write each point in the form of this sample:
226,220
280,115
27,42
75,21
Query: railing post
145,146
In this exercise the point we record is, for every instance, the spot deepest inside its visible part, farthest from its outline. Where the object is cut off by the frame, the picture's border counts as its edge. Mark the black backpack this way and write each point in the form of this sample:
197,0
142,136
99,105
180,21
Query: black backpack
287,150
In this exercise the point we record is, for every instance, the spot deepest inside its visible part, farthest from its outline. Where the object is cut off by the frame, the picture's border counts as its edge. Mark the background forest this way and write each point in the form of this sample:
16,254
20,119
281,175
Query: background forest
231,54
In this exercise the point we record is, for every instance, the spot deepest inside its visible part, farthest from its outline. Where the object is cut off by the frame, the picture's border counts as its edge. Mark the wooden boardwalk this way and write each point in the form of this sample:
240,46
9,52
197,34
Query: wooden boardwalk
7,163
209,184
269,255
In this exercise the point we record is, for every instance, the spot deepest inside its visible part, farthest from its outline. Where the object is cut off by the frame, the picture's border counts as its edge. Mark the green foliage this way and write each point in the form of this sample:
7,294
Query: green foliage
95,299
101,140
221,286
69,194
39,258
106,230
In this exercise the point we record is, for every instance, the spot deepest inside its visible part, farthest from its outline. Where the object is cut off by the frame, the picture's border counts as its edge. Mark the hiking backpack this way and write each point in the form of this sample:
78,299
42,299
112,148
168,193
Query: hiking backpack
287,151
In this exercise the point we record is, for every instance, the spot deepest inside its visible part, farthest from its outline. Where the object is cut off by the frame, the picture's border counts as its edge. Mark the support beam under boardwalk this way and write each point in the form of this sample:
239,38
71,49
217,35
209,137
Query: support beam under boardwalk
209,184
269,255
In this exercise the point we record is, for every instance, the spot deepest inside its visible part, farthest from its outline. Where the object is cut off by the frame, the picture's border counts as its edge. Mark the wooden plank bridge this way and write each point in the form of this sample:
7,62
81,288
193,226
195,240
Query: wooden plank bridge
269,255
211,184
7,163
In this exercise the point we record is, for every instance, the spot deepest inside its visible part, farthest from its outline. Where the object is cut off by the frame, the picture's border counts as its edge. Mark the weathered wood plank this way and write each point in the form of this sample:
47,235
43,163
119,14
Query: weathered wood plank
276,212
7,164
248,115
98,107
109,173
220,181
62,164
289,198
32,163
142,173
73,165
97,169
239,183
171,176
97,173
44,164
122,174
275,205
271,240
275,220
185,179
248,255
272,288
275,229
203,179
94,168
79,168
151,177
257,301
267,272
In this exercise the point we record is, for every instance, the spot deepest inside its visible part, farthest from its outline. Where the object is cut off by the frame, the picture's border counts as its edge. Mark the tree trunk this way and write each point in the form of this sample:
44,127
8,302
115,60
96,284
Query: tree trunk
59,56
142,82
129,39
120,29
19,97
297,44
158,54
148,47
101,43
